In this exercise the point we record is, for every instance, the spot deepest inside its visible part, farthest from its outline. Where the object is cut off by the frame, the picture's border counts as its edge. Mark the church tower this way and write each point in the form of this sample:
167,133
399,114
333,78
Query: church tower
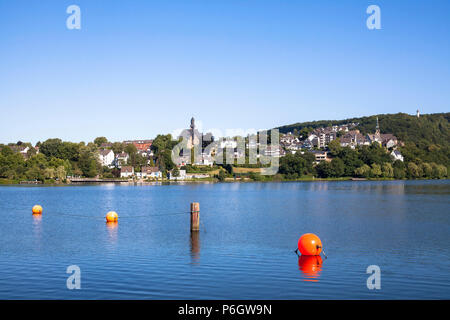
192,135
192,130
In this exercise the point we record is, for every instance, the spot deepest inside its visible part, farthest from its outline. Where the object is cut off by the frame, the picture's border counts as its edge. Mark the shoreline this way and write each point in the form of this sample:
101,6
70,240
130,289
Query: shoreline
204,181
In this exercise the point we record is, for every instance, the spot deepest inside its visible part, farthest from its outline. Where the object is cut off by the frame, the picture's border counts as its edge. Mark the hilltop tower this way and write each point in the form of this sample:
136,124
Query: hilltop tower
418,113
377,129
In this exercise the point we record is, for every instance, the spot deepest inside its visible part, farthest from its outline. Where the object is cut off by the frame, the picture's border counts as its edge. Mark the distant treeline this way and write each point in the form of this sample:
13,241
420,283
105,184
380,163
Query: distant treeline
58,159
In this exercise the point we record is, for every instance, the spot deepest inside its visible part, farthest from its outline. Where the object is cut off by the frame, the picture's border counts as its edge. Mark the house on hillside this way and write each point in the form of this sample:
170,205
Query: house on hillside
151,172
121,159
141,145
23,150
320,155
396,155
106,157
126,172
321,137
181,176
354,138
272,151
388,140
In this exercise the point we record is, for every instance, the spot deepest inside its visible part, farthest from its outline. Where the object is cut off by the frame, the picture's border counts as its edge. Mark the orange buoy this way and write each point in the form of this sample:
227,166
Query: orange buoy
112,216
37,209
309,244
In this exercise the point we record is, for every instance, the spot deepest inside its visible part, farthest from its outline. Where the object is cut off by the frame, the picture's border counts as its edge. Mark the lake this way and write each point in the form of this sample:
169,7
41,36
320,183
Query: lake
245,247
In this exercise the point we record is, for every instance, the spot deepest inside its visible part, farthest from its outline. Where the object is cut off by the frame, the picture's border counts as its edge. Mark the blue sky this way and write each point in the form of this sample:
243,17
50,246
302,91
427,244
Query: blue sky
139,68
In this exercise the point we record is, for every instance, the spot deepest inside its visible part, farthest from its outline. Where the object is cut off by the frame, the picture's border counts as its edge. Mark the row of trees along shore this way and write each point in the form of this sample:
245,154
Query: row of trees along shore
371,161
426,152
58,159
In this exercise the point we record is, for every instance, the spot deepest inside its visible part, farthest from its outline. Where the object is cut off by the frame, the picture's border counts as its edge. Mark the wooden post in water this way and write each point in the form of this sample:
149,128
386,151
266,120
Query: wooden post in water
195,216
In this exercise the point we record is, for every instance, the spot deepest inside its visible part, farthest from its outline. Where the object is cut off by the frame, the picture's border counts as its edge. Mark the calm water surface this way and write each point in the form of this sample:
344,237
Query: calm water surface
244,249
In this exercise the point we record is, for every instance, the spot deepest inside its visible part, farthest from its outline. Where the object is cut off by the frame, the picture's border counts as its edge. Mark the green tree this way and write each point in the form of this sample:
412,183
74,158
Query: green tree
50,147
439,171
88,163
293,166
375,170
132,152
162,148
351,160
117,147
175,172
427,170
387,170
335,147
413,170
324,169
100,140
337,167
363,171
221,176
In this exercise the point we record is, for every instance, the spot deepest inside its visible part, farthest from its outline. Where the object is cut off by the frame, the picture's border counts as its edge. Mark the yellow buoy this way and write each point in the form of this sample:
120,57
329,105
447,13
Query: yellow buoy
37,209
112,216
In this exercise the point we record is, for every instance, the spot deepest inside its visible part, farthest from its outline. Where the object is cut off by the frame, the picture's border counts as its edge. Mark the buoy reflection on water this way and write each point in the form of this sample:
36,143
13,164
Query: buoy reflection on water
310,266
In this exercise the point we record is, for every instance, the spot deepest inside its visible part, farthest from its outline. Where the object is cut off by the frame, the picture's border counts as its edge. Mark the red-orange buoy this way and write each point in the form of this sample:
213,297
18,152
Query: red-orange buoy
112,216
309,244
37,209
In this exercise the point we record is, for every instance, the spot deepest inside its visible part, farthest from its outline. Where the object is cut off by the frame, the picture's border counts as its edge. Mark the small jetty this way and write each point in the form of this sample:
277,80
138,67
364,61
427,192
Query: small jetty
31,182
96,180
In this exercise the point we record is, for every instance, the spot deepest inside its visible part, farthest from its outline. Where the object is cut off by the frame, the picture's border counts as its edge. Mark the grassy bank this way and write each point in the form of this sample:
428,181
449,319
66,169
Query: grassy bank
8,181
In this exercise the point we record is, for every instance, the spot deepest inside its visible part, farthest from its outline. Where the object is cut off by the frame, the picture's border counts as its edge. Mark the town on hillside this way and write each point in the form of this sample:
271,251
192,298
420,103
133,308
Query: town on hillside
333,151
318,140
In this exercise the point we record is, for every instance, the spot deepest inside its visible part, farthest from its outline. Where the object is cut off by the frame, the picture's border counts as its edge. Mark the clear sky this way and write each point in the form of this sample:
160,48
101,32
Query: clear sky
139,68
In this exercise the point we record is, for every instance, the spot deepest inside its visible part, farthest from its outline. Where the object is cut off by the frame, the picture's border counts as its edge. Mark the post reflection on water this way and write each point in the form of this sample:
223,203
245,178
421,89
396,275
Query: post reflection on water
195,247
310,267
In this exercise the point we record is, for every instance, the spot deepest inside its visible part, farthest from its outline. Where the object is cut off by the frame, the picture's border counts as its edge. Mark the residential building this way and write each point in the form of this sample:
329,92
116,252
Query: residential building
181,176
151,172
196,176
396,155
106,157
388,140
23,150
121,159
207,160
321,137
353,138
126,171
272,151
141,145
320,155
